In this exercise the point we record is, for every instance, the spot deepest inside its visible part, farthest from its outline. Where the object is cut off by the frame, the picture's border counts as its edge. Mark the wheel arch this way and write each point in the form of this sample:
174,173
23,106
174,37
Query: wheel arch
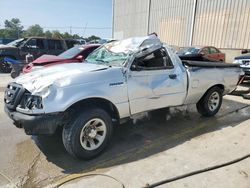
102,103
221,86
204,104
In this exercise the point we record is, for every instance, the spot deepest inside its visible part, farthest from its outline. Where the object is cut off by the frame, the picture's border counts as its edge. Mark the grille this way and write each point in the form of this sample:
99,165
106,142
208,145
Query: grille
247,71
13,95
246,62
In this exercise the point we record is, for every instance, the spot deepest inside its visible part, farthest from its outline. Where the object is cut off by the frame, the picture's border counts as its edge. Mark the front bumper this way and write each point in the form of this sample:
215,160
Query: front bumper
42,124
247,73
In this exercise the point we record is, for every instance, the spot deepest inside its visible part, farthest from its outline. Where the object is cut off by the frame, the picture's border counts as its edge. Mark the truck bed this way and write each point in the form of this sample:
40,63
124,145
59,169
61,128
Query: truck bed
208,64
203,75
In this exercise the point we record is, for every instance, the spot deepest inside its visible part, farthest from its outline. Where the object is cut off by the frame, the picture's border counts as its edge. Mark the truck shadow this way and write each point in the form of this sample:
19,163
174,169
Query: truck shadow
134,142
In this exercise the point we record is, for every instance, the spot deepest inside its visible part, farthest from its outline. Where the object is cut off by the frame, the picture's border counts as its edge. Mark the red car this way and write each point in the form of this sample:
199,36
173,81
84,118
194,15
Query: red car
207,53
75,54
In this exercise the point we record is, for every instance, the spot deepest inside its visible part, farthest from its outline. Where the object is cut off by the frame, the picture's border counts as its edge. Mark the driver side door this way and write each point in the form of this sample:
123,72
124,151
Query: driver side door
153,82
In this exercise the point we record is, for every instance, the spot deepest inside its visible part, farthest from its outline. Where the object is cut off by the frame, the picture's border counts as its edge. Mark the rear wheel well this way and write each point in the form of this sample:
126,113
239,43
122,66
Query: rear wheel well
217,85
220,86
104,104
211,102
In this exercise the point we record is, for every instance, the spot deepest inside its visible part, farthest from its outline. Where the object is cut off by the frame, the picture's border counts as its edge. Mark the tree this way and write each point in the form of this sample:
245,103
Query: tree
93,37
34,31
56,34
2,33
66,35
13,28
48,34
75,36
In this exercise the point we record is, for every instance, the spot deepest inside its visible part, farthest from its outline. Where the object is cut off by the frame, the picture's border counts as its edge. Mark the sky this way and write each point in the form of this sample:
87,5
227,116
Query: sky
94,15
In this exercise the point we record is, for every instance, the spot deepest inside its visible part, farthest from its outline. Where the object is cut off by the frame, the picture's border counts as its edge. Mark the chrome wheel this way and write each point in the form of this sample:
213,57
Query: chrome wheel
93,134
213,101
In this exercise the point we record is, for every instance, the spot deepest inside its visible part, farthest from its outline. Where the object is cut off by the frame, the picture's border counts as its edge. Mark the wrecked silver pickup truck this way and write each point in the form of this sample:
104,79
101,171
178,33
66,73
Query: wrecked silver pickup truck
117,82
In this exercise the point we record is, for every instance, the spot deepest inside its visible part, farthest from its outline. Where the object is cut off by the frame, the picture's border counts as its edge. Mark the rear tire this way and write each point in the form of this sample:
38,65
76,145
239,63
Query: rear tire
88,133
211,102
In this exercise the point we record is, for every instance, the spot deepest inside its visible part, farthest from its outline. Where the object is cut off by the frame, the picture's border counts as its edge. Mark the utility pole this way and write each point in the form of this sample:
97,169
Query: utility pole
84,29
70,30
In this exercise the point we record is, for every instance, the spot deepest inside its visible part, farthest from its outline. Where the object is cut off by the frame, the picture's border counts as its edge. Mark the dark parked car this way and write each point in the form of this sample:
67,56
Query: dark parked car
244,62
72,42
205,53
6,41
35,46
75,54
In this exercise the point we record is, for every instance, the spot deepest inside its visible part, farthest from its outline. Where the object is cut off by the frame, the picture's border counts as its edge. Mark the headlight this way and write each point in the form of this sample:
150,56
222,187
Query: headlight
237,61
34,102
31,102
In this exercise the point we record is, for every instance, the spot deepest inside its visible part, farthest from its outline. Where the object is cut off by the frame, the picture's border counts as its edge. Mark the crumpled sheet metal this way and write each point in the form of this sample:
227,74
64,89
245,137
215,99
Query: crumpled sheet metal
134,45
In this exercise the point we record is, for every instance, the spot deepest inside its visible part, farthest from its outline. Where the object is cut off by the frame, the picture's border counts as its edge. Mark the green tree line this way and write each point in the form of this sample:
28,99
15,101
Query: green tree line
14,29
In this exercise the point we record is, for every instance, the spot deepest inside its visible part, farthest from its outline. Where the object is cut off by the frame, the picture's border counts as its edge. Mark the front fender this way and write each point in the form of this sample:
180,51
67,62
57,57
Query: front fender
67,96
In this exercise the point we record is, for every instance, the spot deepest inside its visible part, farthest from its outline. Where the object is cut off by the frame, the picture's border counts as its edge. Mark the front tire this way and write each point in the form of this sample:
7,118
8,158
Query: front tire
88,133
211,102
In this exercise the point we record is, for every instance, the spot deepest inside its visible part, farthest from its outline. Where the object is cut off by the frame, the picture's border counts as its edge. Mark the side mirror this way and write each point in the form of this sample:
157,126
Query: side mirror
136,68
79,57
202,53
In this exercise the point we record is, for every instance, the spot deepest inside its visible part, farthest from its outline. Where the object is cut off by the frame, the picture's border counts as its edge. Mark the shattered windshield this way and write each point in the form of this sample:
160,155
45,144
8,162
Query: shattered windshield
17,42
116,53
105,55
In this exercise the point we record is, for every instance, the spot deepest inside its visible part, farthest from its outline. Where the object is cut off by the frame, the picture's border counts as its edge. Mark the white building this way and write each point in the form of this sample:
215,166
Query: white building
221,23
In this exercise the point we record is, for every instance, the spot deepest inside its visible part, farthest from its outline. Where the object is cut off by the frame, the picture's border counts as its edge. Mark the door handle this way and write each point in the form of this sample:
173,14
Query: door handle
172,76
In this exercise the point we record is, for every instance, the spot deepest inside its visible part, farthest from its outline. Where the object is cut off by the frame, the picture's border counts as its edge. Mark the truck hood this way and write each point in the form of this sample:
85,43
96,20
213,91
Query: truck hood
241,57
3,46
48,59
61,76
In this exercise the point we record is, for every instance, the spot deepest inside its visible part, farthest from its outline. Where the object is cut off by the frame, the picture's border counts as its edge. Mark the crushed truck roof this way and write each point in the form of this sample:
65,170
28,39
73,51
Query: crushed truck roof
134,45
